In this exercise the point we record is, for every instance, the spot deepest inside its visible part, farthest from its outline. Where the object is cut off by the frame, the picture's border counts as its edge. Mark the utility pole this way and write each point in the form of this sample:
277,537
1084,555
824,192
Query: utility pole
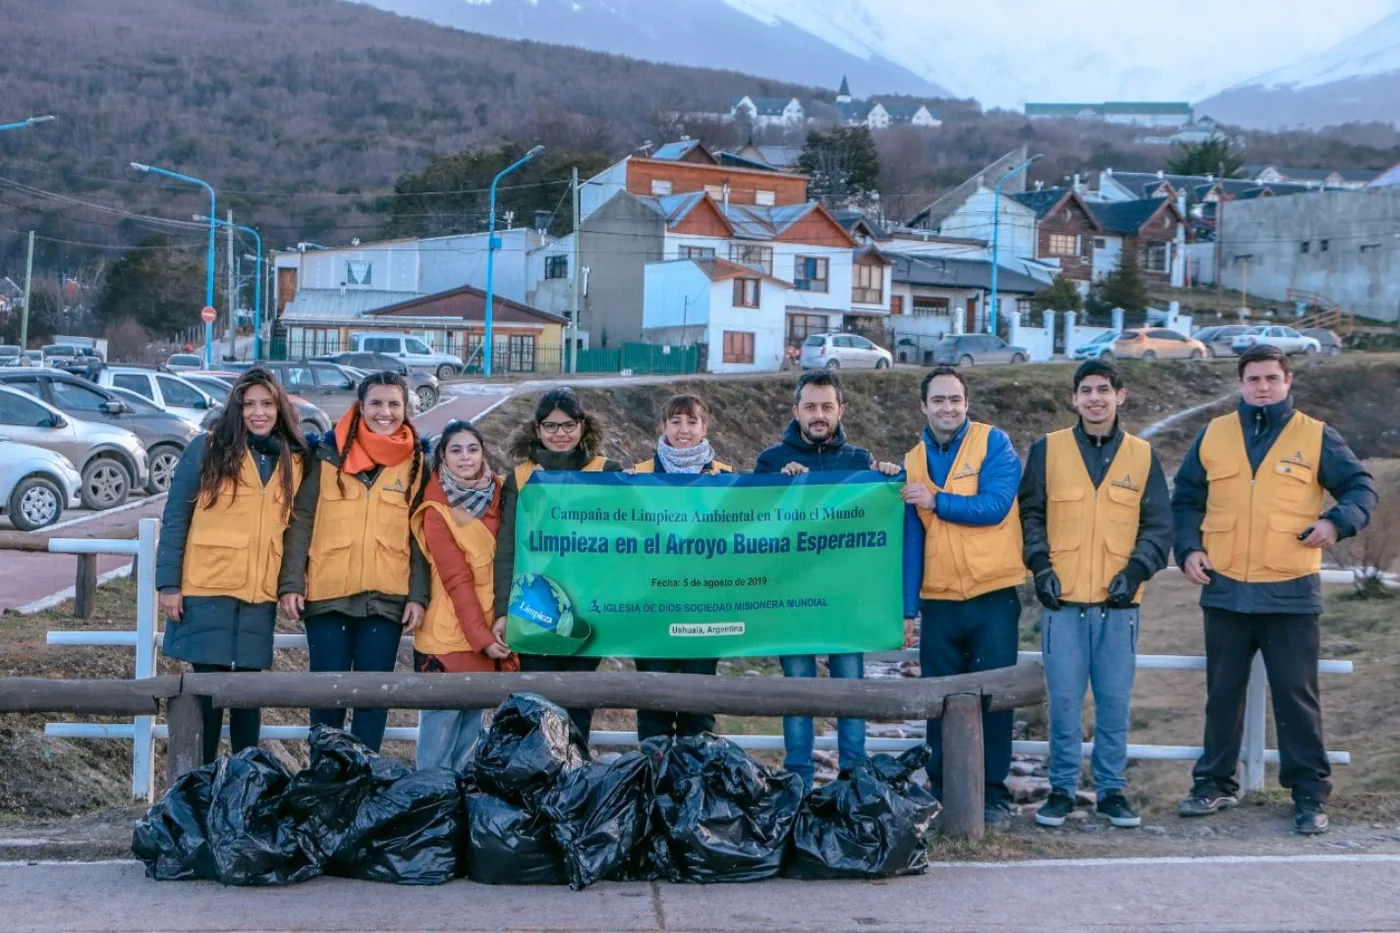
28,289
571,332
232,290
1219,239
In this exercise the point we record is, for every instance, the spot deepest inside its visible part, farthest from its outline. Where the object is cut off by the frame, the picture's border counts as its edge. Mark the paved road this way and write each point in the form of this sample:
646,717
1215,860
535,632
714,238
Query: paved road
1231,895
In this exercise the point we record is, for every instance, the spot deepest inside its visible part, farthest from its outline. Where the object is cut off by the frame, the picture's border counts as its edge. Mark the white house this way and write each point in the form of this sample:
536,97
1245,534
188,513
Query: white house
764,112
973,219
737,311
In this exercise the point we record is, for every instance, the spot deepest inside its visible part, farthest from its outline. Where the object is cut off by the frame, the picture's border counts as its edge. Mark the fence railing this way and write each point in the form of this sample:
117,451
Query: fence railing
144,731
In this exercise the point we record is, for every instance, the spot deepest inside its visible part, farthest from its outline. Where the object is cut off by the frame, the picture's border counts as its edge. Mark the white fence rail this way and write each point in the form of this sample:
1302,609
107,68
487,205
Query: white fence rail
144,731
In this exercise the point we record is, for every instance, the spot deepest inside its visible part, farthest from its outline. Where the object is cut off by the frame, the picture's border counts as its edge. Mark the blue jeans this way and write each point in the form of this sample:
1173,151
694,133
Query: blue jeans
338,642
1086,645
798,737
445,736
960,637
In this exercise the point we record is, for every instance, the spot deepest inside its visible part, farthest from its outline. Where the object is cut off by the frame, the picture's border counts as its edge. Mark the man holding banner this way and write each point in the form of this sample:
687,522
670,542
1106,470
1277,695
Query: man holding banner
962,563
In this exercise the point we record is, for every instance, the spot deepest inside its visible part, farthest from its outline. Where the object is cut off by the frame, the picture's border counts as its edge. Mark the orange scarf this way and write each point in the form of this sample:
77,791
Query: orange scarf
369,449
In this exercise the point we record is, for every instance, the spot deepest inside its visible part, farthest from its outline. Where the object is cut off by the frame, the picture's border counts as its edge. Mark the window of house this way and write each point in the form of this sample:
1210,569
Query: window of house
867,284
1304,246
810,274
746,293
802,326
1154,257
759,257
359,272
738,346
924,306
896,304
660,186
1023,308
715,191
1064,244
1322,245
765,198
1370,247
1100,242
697,252
520,353
556,267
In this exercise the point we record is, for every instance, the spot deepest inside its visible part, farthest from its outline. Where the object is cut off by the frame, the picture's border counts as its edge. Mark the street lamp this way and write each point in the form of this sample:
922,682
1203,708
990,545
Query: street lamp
32,121
492,244
209,278
996,233
257,285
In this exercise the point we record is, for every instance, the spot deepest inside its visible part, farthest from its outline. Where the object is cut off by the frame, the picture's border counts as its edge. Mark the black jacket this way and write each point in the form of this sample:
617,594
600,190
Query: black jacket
835,454
1154,534
1340,473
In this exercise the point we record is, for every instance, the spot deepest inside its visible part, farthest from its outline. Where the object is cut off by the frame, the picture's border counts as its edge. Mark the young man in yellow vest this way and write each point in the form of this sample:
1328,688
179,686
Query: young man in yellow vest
1097,522
1250,529
962,562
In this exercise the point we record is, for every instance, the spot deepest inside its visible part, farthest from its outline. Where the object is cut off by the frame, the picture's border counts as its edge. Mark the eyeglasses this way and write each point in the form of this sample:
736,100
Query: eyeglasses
555,427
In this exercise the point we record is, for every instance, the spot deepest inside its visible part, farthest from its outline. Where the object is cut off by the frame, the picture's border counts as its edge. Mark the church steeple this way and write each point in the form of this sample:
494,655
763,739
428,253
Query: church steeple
843,96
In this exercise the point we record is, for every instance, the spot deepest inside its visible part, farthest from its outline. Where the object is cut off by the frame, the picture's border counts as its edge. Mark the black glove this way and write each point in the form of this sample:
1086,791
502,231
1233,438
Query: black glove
1047,588
1122,589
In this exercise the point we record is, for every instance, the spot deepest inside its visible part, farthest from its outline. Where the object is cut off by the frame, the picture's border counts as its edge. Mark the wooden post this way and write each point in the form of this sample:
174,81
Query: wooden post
184,751
964,789
85,588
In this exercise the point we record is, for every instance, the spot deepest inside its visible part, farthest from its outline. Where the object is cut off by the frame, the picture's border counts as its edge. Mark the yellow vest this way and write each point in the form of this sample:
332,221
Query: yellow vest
234,547
1252,522
1092,531
962,561
649,466
359,543
523,472
440,632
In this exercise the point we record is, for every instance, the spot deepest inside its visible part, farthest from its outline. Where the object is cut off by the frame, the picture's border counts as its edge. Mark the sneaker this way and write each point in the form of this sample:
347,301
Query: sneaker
1115,809
1055,810
998,813
1310,818
1205,798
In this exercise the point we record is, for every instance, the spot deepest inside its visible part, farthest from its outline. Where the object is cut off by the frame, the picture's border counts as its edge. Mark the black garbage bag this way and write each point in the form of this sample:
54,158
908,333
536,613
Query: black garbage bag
869,823
510,845
725,816
531,742
407,828
173,837
252,834
326,796
599,814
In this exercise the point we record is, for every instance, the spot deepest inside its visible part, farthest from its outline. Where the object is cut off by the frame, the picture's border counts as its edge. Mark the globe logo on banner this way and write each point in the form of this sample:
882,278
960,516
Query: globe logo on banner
540,618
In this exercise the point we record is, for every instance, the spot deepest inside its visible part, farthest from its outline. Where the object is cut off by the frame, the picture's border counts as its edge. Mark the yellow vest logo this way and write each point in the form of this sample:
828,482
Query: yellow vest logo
1297,460
1126,483
398,487
971,468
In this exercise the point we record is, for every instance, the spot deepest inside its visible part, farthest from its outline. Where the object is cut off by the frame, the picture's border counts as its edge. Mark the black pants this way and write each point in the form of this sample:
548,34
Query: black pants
547,663
244,725
1289,644
670,723
338,642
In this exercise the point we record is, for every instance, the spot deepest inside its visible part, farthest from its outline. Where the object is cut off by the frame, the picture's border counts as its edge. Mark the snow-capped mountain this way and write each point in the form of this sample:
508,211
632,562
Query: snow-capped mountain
1355,80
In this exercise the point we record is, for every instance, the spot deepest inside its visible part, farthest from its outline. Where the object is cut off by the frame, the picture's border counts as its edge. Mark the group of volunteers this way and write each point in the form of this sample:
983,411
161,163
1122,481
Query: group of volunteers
364,536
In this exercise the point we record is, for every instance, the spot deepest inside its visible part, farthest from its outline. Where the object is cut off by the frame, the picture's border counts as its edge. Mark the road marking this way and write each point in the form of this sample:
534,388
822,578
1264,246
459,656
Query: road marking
53,599
1169,860
91,515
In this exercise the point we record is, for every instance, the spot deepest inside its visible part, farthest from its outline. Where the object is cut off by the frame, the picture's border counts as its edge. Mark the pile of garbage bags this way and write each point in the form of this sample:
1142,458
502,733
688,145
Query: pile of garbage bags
531,807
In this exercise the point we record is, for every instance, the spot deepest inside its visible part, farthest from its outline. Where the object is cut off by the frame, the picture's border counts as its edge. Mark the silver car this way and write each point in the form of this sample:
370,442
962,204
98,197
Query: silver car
110,460
36,485
423,385
1285,338
843,351
168,391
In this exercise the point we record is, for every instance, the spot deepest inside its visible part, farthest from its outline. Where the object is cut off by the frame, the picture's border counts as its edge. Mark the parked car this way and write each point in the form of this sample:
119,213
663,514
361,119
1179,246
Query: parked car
1327,340
414,352
10,355
843,351
163,435
184,362
311,419
110,460
1285,338
330,387
36,485
168,391
424,386
1218,339
1154,343
1098,347
976,349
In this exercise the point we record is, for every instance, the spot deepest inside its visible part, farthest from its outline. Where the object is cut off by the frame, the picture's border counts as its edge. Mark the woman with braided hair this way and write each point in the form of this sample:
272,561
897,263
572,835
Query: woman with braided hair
351,568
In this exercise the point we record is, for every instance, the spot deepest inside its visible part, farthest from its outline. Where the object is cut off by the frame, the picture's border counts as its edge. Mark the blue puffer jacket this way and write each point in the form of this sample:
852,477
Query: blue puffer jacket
835,454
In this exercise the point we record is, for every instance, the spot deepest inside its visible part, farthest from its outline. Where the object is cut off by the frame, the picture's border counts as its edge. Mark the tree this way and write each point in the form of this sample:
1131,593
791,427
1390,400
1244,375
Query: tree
1207,158
158,285
1059,295
45,315
842,164
1124,287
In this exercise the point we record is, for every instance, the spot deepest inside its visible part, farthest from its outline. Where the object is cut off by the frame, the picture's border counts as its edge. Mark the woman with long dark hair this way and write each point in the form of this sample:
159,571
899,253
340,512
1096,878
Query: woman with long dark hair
221,543
561,436
352,568
456,528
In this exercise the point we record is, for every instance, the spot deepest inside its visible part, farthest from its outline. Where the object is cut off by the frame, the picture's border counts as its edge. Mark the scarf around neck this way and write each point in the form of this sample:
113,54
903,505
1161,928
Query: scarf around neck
687,460
368,449
475,497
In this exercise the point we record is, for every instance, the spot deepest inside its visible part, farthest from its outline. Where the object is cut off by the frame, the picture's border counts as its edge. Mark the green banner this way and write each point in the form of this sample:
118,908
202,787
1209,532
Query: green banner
658,566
